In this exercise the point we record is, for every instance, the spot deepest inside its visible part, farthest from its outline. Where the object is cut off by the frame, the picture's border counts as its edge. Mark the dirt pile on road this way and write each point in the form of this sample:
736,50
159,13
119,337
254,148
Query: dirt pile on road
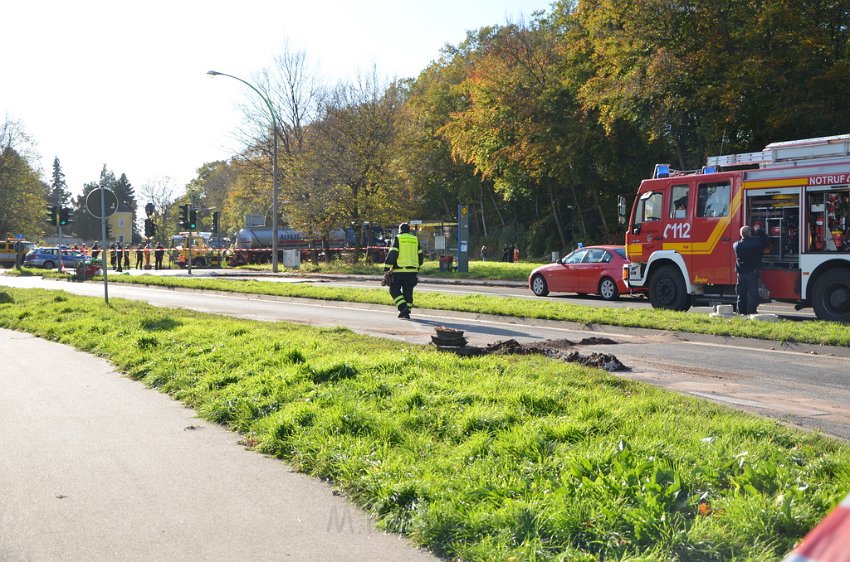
561,349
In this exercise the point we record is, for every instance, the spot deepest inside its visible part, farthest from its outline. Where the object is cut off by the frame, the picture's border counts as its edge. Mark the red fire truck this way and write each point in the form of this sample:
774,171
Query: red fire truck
682,226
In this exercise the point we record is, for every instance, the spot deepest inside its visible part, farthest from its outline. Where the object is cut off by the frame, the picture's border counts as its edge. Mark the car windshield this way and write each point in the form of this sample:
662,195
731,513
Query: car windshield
595,255
576,256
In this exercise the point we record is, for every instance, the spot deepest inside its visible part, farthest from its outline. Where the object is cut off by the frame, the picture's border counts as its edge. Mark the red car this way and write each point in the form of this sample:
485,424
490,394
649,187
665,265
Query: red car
594,269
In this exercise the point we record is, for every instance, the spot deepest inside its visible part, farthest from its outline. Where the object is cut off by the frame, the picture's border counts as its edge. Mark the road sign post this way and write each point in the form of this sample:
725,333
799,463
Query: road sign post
463,238
102,203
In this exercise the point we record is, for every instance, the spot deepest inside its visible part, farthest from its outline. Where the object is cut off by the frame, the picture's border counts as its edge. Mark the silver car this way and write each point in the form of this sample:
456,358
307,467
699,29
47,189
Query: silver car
48,258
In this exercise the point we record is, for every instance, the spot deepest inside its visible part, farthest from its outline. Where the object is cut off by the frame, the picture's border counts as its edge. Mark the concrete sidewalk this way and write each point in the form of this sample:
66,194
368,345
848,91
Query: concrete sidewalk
95,466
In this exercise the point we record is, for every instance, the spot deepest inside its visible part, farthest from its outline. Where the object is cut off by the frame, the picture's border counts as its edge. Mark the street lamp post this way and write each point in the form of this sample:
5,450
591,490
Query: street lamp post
274,164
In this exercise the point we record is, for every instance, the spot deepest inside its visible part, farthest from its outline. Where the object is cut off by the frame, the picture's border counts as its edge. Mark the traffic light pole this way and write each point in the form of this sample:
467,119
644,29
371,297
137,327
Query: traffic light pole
61,264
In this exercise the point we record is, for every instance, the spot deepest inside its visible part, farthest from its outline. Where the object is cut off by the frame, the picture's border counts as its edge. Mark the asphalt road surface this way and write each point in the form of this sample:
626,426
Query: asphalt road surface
808,386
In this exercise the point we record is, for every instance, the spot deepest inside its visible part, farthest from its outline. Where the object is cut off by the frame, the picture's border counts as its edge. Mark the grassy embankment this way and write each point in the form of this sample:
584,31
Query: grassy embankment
486,458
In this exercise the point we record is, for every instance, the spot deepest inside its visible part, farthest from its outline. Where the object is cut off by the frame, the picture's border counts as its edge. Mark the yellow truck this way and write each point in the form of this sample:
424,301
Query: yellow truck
11,248
194,246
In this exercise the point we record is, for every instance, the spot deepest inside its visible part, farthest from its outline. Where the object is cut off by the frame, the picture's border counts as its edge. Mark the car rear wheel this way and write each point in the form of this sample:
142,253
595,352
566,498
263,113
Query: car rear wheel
538,286
608,289
48,265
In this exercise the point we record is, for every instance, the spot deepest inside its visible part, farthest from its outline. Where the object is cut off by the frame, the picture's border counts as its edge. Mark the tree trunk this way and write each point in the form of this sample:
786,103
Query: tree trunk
449,213
481,205
555,215
598,205
496,206
577,213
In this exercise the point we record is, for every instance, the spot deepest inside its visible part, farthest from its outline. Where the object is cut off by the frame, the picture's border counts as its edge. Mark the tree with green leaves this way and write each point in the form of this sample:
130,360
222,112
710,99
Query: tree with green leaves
160,192
706,77
59,193
511,128
441,181
23,197
356,139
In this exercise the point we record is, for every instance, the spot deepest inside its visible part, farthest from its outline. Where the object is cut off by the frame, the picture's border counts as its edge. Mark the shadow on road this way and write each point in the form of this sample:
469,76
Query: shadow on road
472,328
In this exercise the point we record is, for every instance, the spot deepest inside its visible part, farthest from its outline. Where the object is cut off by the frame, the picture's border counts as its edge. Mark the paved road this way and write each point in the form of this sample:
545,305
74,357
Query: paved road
465,287
804,385
94,466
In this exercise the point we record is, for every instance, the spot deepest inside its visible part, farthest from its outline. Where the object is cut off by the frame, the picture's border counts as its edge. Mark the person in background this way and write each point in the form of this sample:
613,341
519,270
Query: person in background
158,255
516,254
95,251
748,253
112,255
483,253
127,256
401,267
119,256
140,256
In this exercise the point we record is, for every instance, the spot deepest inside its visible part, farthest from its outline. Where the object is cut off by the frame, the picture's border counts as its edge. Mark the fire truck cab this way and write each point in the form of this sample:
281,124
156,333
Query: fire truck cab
682,226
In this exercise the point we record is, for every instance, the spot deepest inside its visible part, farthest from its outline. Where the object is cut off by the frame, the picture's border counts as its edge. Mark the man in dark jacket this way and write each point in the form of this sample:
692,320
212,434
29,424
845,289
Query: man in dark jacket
400,269
158,255
748,252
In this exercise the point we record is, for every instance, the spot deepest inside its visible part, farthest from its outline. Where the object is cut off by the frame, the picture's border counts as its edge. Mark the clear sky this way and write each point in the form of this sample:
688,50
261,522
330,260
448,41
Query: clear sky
123,82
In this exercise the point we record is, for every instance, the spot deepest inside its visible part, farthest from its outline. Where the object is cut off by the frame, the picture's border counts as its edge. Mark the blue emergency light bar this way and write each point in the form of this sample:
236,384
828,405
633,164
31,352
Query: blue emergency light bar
661,171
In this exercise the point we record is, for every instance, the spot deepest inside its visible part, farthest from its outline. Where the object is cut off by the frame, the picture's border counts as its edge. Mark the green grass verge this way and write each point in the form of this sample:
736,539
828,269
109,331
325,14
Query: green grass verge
486,458
492,270
812,331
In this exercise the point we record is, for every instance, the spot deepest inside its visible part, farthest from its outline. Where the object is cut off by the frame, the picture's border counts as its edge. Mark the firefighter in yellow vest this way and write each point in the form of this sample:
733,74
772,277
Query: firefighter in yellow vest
401,267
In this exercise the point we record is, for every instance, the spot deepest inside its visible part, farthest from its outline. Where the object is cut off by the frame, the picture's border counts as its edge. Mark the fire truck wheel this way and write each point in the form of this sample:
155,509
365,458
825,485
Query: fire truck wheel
667,289
831,296
538,286
608,289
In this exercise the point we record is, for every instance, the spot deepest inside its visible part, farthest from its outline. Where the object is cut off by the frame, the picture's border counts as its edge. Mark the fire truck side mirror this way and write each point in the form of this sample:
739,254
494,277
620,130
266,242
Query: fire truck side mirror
621,209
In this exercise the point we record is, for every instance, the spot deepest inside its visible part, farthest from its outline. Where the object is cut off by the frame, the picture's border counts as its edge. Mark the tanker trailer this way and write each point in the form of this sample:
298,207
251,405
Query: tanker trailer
253,245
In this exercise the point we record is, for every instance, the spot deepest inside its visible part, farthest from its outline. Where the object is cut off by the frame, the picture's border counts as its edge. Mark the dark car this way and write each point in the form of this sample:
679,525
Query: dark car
48,258
594,269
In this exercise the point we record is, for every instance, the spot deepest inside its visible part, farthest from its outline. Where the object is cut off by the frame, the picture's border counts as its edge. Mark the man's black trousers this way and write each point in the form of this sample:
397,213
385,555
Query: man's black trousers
401,289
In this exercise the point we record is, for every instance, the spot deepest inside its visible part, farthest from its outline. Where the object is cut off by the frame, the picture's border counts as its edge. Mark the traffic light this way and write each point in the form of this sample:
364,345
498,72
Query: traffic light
193,219
183,220
150,228
66,216
51,214
216,220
